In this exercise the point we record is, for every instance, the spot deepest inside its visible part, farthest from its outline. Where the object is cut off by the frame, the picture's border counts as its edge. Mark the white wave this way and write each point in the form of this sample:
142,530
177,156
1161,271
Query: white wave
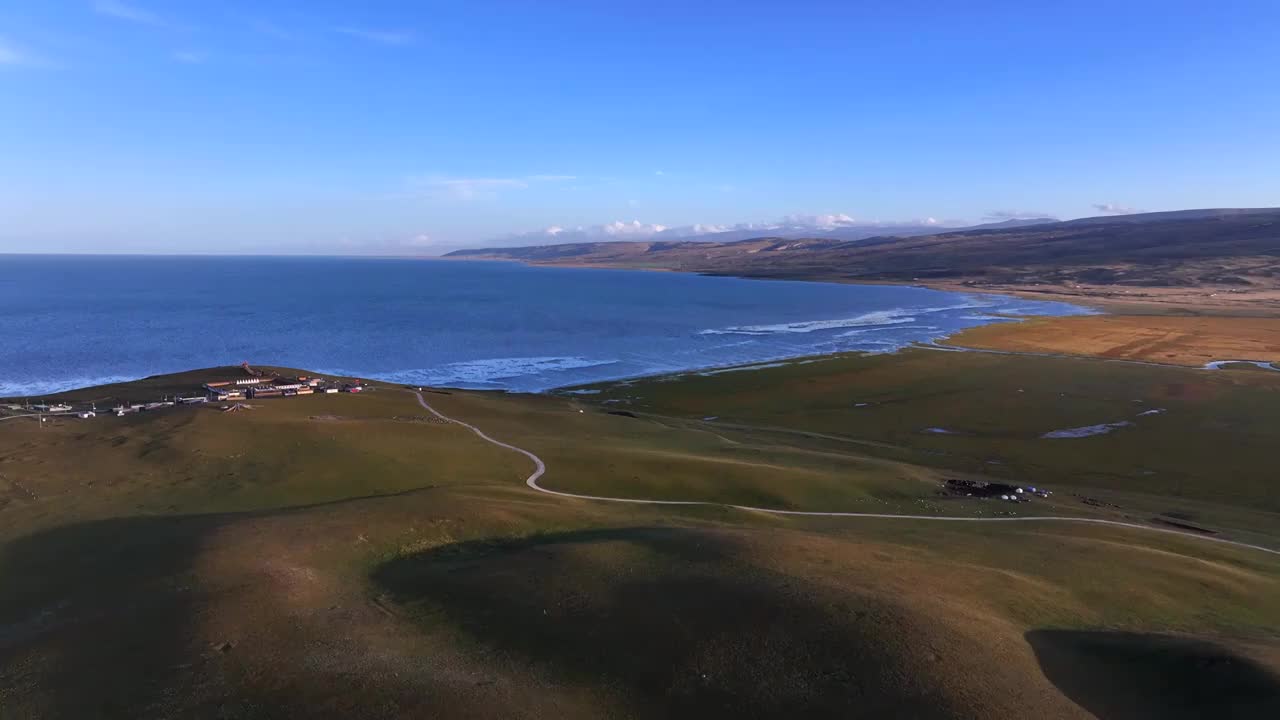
881,317
490,371
743,368
1021,310
37,388
897,316
1225,364
1086,431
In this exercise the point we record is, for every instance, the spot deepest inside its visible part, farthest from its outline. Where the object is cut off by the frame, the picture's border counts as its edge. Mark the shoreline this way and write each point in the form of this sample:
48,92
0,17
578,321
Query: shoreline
995,317
1092,305
1123,300
735,366
940,344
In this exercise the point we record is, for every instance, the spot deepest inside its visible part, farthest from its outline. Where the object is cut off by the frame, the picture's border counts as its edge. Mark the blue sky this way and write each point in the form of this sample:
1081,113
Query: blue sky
407,127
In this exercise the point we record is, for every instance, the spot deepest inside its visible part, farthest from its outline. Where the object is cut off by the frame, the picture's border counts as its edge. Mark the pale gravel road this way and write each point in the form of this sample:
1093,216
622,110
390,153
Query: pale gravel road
540,468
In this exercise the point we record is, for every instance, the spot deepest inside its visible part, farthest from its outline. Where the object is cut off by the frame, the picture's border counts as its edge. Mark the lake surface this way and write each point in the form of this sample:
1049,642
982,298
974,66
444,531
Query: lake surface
73,321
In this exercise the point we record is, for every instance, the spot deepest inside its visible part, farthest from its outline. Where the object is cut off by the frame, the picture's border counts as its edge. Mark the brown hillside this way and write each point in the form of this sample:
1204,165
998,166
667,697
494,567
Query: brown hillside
1224,252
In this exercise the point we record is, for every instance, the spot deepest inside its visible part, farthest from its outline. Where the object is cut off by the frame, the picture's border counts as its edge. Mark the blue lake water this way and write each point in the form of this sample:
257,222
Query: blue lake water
72,321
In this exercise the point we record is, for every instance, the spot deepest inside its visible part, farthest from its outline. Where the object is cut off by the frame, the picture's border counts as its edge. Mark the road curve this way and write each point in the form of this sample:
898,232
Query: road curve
540,468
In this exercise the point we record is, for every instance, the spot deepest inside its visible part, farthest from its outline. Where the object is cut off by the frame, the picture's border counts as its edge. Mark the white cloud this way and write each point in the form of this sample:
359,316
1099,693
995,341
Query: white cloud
125,11
635,228
1114,209
380,36
820,222
190,57
616,230
838,225
631,230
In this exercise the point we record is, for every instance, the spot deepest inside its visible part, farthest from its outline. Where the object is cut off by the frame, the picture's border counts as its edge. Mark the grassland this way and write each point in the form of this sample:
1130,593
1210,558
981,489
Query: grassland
344,556
986,414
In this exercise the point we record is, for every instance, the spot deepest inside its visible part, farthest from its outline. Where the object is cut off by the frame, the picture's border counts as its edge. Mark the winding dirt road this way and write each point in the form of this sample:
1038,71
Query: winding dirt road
540,468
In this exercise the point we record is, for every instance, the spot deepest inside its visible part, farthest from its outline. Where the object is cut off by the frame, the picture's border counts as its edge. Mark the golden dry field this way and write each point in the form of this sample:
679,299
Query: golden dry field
1170,339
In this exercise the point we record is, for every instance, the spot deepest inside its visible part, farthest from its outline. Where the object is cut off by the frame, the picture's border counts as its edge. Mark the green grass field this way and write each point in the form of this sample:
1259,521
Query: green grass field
1206,436
343,556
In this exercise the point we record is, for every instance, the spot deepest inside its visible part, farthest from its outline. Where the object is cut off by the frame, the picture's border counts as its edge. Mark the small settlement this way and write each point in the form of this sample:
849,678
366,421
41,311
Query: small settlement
257,385
1003,491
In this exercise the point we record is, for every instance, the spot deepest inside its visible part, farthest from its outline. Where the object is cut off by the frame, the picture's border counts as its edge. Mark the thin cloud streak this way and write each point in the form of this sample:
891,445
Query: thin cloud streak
190,57
271,30
129,13
393,38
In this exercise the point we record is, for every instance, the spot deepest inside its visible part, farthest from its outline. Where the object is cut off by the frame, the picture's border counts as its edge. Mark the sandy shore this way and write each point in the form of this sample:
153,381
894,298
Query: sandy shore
1121,300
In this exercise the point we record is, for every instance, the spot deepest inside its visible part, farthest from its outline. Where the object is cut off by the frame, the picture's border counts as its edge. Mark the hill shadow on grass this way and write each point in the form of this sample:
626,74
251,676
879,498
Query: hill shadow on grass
679,623
96,618
96,613
99,613
1129,676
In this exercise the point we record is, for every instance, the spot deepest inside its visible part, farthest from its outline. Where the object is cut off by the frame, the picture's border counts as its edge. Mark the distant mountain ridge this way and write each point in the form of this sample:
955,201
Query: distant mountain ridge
1013,223
833,227
1236,248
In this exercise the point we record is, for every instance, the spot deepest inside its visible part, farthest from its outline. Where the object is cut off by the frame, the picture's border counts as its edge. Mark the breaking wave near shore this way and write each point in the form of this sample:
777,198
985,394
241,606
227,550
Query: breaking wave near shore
496,373
493,326
974,309
884,317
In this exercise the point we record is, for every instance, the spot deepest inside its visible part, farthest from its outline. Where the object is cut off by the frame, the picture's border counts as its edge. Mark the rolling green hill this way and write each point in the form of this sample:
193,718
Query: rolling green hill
352,556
